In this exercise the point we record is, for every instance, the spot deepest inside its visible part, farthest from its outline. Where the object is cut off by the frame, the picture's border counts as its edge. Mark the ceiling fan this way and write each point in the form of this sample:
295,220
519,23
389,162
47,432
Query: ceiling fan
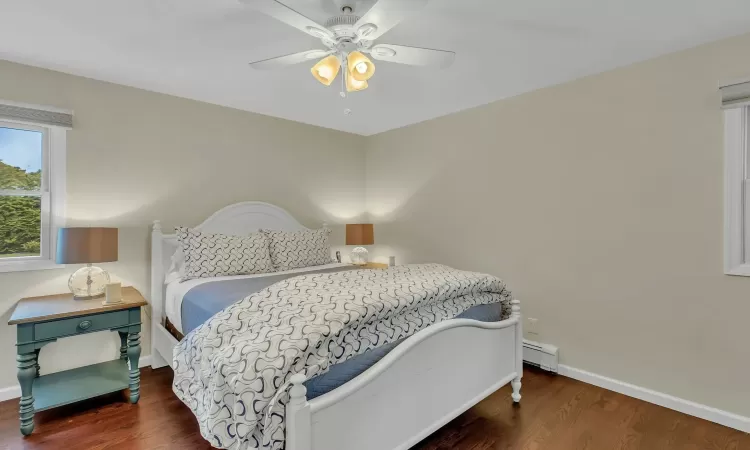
347,39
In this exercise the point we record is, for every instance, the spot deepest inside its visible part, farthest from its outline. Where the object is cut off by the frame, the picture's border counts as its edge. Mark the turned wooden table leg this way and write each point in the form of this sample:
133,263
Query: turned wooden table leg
27,370
123,344
134,352
36,352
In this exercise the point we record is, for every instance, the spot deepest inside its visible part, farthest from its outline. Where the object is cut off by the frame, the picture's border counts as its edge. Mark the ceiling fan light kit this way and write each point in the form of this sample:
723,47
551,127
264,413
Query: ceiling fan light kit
354,85
326,69
360,66
348,38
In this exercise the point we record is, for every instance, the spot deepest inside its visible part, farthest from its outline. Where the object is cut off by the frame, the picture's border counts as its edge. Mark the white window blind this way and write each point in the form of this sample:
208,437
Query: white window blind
735,95
35,115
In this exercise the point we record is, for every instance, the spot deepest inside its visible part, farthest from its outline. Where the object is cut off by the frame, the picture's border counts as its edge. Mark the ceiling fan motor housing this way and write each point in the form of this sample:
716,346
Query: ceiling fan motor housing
343,26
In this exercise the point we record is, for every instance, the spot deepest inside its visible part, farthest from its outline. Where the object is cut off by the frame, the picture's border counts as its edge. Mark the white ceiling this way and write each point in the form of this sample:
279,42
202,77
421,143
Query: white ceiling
199,49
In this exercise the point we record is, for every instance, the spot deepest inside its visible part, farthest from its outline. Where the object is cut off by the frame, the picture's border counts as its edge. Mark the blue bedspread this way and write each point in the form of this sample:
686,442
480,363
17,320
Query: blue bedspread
203,301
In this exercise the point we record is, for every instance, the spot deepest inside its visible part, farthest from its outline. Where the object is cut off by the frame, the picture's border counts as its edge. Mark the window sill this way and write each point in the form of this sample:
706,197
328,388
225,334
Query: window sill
32,264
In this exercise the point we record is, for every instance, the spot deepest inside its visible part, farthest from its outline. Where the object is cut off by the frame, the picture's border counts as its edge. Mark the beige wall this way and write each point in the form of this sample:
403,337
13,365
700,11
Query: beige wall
135,156
600,203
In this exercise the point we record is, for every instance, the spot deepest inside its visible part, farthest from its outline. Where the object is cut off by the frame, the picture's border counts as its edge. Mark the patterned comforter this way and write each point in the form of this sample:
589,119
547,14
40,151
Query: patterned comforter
228,369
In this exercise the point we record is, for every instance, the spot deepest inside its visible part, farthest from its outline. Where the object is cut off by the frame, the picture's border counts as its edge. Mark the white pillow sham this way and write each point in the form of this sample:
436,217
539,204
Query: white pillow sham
177,268
215,255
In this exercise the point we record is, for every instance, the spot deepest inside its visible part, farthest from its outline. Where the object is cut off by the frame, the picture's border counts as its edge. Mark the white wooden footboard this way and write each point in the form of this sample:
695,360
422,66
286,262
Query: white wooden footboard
421,385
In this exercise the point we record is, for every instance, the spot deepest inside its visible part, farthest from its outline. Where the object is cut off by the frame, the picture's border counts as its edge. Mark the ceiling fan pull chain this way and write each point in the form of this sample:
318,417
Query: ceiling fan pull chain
343,77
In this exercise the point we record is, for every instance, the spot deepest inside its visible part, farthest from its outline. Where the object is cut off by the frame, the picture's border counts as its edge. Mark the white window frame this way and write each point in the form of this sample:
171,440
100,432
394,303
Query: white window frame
52,198
736,191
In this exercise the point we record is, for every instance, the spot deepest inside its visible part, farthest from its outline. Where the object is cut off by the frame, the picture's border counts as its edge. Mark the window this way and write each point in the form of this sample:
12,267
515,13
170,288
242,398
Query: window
736,191
32,171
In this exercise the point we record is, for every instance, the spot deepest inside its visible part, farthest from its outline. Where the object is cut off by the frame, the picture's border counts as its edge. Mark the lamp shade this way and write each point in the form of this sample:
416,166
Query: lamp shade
352,85
326,69
86,245
360,66
360,234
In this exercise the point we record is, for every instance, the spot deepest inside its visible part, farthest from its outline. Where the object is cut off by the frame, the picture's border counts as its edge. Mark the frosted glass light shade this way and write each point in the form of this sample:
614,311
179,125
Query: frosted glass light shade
88,282
353,85
355,60
326,69
359,256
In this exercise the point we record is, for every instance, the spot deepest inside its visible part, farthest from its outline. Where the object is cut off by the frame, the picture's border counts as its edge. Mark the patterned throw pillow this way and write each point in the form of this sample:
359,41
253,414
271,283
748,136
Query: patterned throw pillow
216,255
292,250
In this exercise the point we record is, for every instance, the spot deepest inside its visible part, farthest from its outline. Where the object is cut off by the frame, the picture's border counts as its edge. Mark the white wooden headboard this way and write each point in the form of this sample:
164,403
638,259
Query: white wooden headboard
237,219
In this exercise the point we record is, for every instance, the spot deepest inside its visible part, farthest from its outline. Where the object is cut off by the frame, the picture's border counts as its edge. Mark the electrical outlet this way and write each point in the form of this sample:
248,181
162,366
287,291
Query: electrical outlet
531,326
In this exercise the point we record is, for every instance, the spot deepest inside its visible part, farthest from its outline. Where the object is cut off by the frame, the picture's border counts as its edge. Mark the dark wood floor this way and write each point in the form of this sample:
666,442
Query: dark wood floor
555,413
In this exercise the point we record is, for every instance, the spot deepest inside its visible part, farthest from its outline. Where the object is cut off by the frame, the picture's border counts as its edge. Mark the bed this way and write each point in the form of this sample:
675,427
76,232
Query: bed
409,389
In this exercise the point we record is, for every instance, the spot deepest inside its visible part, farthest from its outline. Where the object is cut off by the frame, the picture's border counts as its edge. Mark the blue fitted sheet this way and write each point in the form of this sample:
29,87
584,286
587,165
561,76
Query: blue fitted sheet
203,301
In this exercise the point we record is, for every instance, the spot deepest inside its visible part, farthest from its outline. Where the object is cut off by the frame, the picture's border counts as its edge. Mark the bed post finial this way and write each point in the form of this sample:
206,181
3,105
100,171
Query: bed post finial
157,225
298,415
298,392
515,308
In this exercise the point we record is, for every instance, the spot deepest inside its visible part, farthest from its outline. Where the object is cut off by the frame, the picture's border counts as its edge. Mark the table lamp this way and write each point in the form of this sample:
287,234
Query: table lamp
87,246
359,234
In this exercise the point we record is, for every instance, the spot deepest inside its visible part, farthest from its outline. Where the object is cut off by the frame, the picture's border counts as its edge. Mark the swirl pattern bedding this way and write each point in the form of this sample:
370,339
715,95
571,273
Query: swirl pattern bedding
228,369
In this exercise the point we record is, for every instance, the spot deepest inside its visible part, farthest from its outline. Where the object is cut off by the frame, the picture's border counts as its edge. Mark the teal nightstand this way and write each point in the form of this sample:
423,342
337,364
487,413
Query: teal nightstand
41,320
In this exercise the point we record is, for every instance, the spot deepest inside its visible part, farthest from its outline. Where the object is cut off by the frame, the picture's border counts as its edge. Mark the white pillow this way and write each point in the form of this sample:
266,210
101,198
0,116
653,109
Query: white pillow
292,250
215,255
177,269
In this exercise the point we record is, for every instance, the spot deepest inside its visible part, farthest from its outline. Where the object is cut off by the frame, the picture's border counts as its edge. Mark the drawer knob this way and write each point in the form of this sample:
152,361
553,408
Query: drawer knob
85,325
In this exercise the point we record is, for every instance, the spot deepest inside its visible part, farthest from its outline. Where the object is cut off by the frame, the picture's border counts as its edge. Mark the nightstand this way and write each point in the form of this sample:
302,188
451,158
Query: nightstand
41,320
373,265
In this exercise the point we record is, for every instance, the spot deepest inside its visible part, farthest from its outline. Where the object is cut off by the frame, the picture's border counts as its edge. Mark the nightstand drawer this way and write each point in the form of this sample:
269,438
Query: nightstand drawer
80,325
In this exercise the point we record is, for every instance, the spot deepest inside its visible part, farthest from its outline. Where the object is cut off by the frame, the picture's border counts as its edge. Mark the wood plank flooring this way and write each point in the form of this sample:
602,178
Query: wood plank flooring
556,413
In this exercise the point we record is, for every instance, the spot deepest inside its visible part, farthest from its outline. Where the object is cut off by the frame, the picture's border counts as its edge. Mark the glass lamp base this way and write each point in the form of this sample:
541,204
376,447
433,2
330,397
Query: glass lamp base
88,282
359,256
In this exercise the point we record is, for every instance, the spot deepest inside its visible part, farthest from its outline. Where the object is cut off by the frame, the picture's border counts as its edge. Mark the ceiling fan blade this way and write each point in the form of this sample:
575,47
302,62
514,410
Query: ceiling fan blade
386,14
285,14
414,56
288,60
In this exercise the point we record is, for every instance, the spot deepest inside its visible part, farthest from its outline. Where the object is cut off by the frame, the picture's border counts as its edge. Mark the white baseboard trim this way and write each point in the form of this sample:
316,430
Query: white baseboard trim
144,361
11,392
709,413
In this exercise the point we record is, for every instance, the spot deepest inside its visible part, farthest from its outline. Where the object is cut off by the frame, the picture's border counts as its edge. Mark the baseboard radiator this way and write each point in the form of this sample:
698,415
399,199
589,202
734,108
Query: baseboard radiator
540,355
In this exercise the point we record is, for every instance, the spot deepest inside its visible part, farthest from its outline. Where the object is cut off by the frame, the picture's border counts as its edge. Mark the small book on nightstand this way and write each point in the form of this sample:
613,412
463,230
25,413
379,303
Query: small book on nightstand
372,265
